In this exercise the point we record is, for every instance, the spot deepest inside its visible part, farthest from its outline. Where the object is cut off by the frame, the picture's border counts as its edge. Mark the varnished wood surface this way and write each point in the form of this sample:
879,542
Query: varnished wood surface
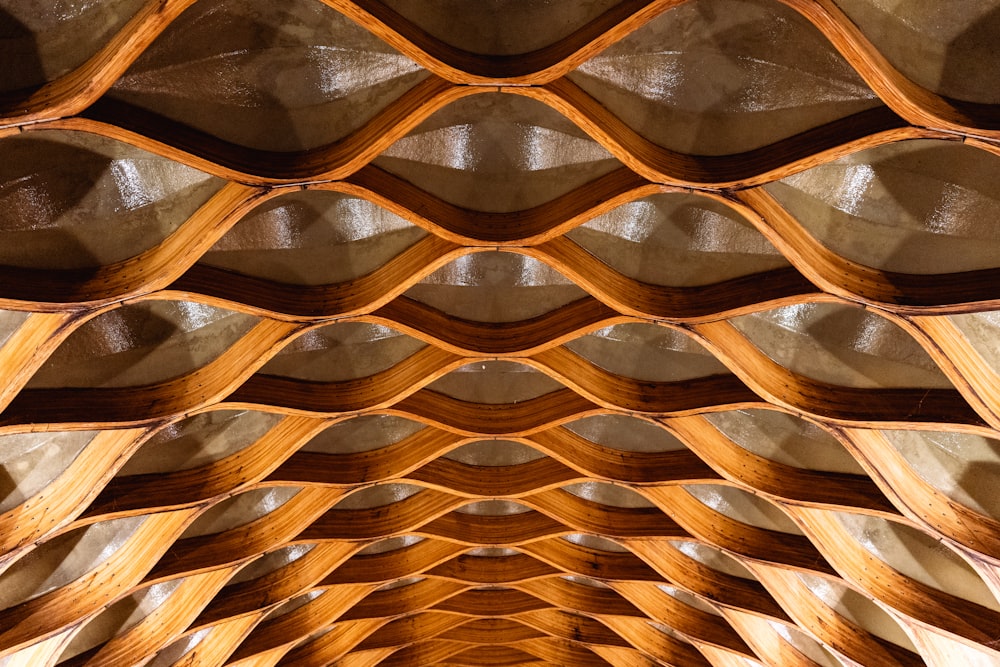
676,580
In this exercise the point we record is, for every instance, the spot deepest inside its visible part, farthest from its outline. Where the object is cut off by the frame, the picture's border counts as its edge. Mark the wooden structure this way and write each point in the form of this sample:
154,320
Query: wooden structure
621,332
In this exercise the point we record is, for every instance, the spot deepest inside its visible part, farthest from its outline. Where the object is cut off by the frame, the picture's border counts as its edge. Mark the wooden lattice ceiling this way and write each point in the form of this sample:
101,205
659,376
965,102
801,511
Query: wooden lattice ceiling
511,332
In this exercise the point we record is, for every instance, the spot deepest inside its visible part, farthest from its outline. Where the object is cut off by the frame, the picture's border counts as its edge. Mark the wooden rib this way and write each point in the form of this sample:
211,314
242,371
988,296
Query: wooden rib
522,418
498,338
728,298
848,405
491,229
147,130
143,404
286,629
359,295
27,348
903,292
960,361
148,271
65,497
615,391
706,627
659,645
238,544
330,646
785,157
614,464
535,67
138,493
380,294
73,92
829,627
922,502
490,610
918,105
281,585
758,473
388,387
432,513
794,551
417,456
44,653
224,638
858,565
162,625
67,605
767,642
710,584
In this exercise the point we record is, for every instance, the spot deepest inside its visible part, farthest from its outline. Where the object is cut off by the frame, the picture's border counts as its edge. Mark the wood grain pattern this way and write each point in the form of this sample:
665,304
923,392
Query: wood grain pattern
387,518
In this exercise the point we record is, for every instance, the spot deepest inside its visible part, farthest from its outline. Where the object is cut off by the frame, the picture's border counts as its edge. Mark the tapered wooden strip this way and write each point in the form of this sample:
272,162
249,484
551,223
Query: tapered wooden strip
785,481
535,67
73,92
28,347
499,338
961,361
923,502
615,391
196,485
634,467
314,615
65,497
158,134
842,404
922,602
144,404
215,550
918,105
795,551
223,638
332,645
829,627
283,584
720,587
360,295
769,163
654,642
43,654
492,229
496,419
47,614
163,624
728,298
146,272
906,293
373,392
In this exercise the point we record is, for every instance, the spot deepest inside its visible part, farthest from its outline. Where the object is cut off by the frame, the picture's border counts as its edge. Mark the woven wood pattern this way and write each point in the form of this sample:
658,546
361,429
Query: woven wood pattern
405,333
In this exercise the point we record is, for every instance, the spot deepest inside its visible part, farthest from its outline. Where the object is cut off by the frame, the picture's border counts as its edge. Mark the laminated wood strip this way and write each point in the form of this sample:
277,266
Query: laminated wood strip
446,594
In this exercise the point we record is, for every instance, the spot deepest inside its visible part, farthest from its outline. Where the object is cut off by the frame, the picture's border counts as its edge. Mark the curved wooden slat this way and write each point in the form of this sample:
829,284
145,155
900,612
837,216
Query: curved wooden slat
424,580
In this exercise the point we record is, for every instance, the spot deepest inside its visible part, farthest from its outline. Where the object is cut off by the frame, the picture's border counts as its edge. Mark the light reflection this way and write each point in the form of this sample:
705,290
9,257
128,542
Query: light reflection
608,494
493,508
379,495
713,558
690,600
918,556
594,542
496,269
174,652
955,212
478,147
342,72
